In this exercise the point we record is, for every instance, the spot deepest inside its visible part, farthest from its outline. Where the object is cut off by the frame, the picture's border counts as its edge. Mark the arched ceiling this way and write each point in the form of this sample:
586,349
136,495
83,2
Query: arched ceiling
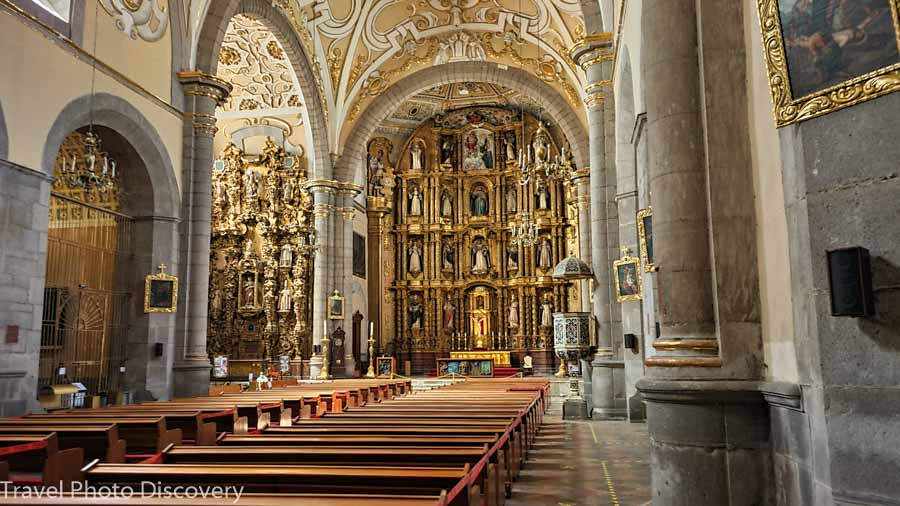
362,47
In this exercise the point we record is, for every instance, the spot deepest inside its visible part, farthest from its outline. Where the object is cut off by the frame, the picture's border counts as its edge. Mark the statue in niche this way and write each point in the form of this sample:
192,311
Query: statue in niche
249,292
478,150
287,190
545,258
415,202
446,256
547,312
511,199
449,313
478,201
416,312
447,149
287,256
446,204
512,256
418,156
217,301
221,191
510,140
543,197
514,314
248,248
481,256
284,300
415,258
251,184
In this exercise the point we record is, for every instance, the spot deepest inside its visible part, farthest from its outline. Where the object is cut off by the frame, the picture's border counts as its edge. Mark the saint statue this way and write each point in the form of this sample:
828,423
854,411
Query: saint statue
415,313
217,301
545,259
547,312
512,258
250,179
248,248
514,314
447,150
415,202
446,205
249,294
287,191
478,201
511,200
481,258
417,155
415,258
284,300
543,198
447,256
449,313
220,191
287,256
510,146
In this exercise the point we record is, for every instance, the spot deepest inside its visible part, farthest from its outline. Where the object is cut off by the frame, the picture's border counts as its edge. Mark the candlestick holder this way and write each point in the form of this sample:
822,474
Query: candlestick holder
326,358
371,372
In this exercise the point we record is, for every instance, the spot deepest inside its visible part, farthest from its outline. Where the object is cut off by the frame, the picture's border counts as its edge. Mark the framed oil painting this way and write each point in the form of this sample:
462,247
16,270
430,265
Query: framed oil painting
160,292
824,55
336,306
645,233
386,367
359,255
627,279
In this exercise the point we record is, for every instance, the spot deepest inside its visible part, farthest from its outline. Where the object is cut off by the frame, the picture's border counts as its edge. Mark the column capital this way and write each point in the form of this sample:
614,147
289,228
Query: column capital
593,49
332,187
204,85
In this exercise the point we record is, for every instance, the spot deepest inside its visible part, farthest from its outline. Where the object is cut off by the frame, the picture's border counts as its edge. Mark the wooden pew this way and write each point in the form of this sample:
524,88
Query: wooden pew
297,479
246,500
37,460
193,428
98,441
143,435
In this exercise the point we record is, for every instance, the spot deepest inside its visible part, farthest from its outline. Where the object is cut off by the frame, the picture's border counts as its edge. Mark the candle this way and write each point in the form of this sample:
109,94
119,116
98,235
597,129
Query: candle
371,329
113,169
325,327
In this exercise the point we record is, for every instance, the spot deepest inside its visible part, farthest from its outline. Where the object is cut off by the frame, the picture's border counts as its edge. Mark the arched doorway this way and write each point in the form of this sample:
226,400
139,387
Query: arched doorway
90,297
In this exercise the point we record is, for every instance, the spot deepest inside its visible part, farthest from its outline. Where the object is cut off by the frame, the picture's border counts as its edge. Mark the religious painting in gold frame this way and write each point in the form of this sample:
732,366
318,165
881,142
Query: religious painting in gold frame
627,275
825,55
160,292
336,306
645,233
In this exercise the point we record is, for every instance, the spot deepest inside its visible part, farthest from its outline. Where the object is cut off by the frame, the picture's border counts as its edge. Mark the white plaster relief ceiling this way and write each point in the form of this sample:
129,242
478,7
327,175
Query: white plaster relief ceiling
254,62
147,19
359,48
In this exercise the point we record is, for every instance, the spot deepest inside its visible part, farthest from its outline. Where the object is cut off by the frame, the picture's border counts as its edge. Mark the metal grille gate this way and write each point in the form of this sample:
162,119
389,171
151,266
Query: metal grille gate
86,309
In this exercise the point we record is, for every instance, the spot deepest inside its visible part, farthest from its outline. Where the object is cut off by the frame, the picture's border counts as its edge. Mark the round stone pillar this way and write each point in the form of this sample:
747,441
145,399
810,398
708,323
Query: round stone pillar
678,183
323,202
203,93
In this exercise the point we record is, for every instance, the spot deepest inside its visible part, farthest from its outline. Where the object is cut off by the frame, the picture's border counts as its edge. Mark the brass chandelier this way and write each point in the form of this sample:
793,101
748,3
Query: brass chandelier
537,164
526,233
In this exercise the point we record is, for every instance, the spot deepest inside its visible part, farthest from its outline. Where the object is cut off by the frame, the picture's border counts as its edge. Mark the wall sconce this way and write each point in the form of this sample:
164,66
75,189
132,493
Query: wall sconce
850,282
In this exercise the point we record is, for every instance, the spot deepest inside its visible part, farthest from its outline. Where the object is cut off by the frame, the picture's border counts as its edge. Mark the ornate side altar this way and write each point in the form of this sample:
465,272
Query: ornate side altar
261,257
500,358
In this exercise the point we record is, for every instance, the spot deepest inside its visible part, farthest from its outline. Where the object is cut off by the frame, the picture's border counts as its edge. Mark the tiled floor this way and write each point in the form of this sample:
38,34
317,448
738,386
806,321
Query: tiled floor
585,464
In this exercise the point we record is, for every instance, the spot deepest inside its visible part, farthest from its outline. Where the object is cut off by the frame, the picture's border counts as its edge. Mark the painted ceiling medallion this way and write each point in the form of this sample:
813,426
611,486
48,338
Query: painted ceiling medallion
147,19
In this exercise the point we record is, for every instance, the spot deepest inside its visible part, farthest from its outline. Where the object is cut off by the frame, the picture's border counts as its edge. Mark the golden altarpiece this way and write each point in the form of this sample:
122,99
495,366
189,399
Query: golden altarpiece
452,278
261,259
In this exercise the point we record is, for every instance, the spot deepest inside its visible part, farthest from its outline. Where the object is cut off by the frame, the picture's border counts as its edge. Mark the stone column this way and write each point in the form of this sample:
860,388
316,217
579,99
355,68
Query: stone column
595,55
202,94
582,182
323,201
344,260
678,183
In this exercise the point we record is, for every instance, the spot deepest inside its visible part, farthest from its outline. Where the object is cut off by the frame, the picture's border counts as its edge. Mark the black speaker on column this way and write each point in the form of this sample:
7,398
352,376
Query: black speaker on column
850,282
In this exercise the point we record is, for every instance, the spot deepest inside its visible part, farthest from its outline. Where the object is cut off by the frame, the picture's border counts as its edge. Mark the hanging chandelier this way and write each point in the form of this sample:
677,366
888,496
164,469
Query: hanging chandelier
536,162
526,233
92,169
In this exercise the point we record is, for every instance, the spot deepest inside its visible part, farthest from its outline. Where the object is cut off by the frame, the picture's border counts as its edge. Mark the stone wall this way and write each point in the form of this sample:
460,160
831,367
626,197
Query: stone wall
841,182
24,214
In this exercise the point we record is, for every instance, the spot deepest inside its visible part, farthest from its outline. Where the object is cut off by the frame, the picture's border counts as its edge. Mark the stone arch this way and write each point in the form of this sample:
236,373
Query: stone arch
212,34
180,49
4,137
116,114
593,16
352,162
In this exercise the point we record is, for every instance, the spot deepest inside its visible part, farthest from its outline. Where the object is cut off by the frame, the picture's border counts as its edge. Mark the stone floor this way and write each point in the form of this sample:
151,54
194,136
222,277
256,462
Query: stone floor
586,464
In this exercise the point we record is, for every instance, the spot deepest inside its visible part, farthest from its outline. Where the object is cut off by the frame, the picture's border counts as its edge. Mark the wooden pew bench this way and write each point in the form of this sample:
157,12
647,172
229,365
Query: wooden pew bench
246,500
143,436
98,442
37,460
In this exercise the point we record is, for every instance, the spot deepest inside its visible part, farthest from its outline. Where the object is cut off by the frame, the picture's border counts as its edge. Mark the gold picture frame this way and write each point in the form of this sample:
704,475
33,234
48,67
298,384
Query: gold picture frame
627,288
645,234
160,292
336,306
853,63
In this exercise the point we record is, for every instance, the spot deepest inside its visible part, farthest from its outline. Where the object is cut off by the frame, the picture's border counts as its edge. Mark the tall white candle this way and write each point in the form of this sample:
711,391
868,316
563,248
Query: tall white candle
324,327
371,329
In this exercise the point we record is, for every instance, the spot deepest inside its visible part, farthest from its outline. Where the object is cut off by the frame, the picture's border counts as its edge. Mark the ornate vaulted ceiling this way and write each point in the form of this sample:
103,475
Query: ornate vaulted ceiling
362,47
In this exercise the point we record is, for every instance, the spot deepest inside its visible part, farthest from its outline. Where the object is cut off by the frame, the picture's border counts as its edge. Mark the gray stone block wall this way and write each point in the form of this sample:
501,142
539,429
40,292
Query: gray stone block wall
842,183
24,214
